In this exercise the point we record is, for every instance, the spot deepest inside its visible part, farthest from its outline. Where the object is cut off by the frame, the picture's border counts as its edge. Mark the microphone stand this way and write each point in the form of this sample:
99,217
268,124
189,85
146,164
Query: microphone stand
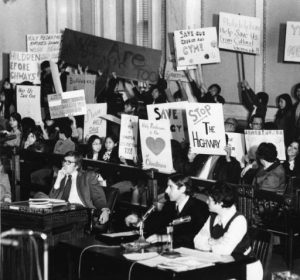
169,251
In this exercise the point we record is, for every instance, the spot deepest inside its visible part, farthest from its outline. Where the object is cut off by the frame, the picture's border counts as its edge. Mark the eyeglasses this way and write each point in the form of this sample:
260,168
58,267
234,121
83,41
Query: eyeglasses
255,123
68,162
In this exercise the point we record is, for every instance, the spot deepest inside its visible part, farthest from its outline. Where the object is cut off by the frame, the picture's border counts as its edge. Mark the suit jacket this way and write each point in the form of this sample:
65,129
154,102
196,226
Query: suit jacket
89,190
183,234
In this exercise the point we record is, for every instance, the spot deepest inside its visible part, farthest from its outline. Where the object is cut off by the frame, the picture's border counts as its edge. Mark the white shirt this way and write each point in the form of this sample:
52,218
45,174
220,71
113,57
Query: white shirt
182,203
227,243
74,197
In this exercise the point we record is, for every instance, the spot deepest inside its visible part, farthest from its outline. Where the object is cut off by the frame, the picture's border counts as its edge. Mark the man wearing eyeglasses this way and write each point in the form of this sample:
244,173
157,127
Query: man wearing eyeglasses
76,186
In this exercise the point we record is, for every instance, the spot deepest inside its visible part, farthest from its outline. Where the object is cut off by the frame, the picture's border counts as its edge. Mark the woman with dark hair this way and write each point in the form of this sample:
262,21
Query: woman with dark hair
296,111
109,150
7,99
94,147
292,163
5,190
34,141
15,125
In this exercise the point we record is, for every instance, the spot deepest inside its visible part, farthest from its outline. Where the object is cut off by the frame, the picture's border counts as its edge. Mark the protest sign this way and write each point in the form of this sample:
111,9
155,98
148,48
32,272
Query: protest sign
206,128
173,112
237,143
93,123
196,46
239,33
84,81
128,136
29,97
56,77
70,103
24,66
292,41
128,61
156,145
254,138
44,43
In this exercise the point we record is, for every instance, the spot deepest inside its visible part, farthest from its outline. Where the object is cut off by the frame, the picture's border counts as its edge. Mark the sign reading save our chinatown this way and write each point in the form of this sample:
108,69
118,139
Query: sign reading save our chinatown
156,145
196,46
70,103
128,61
206,128
292,41
239,33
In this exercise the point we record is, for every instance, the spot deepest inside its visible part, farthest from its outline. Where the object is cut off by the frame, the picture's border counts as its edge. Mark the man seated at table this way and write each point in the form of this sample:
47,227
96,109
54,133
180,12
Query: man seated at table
180,204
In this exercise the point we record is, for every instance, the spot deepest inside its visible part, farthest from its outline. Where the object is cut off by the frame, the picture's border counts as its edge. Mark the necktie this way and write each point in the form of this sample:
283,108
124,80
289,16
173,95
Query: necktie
67,188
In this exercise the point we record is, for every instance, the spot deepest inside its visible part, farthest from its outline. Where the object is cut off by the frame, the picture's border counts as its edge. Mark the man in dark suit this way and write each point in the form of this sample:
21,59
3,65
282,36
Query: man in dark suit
180,204
76,186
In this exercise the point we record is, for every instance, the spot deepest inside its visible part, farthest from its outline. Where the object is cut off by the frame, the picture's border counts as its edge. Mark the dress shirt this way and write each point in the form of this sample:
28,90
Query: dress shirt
74,197
179,206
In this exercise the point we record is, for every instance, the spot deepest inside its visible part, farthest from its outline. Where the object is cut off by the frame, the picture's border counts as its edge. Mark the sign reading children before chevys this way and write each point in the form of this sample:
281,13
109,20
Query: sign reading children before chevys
206,128
70,103
156,145
196,46
254,138
29,97
239,33
292,41
128,61
24,66
93,123
172,111
44,43
128,136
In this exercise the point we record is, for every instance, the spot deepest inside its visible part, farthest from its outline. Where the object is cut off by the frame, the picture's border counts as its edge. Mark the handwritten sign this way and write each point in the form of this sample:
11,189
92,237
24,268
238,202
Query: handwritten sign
254,138
44,43
196,46
128,61
86,82
128,136
292,41
239,33
173,112
69,103
29,97
156,145
206,128
237,143
24,66
93,123
56,77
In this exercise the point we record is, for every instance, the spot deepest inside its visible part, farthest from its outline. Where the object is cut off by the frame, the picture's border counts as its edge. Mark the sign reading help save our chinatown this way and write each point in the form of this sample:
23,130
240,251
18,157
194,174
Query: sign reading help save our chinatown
93,123
128,61
156,145
196,46
239,33
70,103
292,41
128,137
206,128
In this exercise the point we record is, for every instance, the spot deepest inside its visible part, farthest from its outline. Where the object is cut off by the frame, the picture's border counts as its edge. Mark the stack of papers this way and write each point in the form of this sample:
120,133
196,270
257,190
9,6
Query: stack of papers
46,202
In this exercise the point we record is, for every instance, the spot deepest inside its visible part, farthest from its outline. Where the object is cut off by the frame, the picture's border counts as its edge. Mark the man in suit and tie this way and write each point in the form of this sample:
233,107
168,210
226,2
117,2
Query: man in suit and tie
180,204
76,186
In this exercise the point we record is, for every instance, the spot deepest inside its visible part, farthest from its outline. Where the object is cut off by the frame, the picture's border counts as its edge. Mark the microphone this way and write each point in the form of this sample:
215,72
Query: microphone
149,211
9,242
181,220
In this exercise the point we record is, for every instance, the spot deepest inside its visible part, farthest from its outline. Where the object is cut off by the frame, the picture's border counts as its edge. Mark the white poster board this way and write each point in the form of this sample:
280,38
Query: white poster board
69,103
24,66
44,43
239,33
29,97
156,145
237,143
292,41
93,123
196,46
254,138
206,128
128,137
84,81
56,77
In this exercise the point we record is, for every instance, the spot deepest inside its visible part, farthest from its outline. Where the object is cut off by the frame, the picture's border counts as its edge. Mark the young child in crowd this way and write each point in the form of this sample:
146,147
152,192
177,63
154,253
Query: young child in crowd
109,151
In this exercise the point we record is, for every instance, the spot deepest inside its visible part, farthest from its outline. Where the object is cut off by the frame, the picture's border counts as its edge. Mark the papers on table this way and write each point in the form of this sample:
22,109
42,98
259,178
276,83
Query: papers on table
46,202
121,234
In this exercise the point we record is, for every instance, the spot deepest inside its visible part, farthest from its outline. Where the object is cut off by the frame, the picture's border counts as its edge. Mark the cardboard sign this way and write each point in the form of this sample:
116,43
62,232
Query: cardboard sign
70,103
292,41
196,46
128,61
239,33
173,112
128,136
156,145
237,143
24,66
254,138
29,97
206,128
93,123
56,77
44,43
86,82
